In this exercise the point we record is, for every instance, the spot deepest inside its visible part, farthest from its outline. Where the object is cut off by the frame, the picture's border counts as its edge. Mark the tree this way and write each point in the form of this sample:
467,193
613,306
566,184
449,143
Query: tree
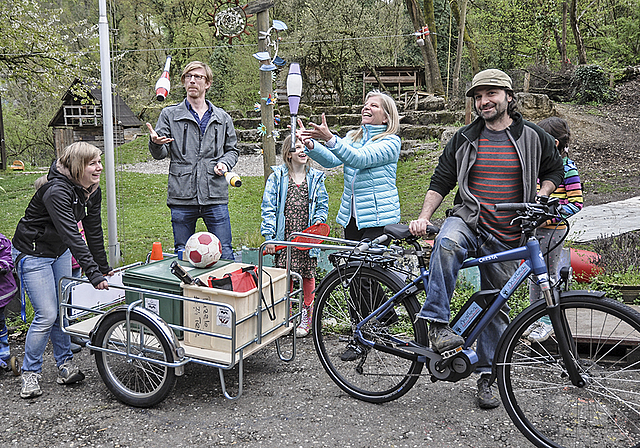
41,52
41,55
573,17
432,70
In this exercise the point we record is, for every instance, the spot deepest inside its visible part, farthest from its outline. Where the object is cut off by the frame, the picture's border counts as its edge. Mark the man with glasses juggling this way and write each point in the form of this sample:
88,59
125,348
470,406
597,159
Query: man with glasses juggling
201,140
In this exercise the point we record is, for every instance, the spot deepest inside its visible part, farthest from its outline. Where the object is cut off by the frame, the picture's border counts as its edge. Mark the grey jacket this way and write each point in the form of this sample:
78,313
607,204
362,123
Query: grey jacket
536,149
192,180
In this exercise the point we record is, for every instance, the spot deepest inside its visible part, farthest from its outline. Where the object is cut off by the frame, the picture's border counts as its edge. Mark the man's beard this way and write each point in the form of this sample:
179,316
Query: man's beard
499,114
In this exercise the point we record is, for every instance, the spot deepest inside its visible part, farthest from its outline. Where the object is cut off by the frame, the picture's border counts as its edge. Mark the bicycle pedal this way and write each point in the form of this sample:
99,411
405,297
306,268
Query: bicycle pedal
449,353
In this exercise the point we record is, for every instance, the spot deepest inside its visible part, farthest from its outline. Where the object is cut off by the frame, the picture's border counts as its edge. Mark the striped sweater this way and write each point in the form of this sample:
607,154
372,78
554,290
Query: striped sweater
569,191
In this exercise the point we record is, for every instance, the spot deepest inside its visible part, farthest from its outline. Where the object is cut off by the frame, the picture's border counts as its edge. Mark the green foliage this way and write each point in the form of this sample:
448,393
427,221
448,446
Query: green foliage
591,84
619,259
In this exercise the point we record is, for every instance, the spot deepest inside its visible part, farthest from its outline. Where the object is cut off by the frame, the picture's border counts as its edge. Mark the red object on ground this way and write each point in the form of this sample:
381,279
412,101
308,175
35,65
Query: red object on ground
583,264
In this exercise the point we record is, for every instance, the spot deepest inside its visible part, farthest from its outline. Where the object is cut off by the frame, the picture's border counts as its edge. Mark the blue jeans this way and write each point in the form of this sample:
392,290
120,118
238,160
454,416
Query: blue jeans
455,243
215,217
39,277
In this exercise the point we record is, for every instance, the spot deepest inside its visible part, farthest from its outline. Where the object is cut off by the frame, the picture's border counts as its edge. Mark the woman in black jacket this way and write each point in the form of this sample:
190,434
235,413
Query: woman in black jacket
43,243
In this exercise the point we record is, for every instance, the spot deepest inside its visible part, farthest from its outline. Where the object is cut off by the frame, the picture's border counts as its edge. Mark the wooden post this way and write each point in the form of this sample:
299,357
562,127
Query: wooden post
262,7
468,107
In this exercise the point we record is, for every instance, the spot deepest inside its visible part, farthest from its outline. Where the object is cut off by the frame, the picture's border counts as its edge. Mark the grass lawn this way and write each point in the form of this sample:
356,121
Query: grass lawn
143,216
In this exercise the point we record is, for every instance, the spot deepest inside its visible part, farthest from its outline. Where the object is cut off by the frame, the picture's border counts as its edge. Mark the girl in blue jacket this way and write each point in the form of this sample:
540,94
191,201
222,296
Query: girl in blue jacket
295,198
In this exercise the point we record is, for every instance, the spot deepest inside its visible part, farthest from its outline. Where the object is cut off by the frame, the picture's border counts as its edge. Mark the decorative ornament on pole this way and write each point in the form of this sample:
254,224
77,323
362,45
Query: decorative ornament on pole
164,85
421,34
294,92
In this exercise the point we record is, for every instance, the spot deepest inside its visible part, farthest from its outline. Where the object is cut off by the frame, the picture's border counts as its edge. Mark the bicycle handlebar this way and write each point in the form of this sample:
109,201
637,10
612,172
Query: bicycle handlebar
363,247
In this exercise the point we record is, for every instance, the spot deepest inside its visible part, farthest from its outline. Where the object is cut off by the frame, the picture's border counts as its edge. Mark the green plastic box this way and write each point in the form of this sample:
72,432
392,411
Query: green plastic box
157,276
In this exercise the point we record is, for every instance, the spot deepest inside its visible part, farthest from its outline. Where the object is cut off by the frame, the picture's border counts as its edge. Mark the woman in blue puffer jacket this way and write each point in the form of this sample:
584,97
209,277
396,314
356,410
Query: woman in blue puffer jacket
370,158
370,198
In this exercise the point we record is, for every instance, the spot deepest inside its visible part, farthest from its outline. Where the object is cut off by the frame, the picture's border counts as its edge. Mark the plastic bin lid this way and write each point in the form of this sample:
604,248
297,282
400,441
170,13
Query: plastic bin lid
161,271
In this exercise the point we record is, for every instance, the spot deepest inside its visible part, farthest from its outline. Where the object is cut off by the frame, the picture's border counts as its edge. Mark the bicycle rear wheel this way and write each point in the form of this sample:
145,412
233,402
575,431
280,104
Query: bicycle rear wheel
537,392
343,299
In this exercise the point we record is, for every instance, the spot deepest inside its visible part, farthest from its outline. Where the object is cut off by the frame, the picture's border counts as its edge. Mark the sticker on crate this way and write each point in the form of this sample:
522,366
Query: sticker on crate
152,305
224,317
201,318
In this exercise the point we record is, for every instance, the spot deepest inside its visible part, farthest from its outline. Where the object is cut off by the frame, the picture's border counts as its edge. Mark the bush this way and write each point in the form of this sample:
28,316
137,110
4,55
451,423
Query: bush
591,84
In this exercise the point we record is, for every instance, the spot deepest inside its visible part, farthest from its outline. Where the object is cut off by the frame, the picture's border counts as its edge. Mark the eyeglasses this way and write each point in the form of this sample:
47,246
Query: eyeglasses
188,76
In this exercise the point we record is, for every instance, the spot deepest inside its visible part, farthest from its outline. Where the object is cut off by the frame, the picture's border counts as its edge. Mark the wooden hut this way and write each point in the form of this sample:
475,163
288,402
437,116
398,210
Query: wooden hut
80,119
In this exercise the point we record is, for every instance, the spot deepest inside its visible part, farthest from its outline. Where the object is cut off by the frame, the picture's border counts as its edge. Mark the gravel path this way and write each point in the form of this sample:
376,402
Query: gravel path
246,166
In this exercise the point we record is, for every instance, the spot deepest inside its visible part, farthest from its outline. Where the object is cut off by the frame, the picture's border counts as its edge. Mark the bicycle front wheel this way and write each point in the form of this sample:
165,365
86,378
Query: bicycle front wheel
344,298
538,394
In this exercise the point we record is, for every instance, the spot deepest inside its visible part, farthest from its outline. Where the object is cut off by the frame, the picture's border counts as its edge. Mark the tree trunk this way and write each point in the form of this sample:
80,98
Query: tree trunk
471,48
432,70
266,111
563,45
456,69
430,20
573,16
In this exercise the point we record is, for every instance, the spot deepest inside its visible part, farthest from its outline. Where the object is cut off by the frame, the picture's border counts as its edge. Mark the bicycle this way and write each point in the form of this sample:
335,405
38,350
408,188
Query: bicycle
578,388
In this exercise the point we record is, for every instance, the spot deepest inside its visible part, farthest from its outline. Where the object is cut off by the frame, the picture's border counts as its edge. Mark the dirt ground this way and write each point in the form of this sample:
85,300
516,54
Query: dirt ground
295,404
605,145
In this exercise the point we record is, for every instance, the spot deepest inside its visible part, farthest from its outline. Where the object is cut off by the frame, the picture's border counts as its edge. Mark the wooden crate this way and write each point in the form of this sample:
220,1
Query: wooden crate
217,319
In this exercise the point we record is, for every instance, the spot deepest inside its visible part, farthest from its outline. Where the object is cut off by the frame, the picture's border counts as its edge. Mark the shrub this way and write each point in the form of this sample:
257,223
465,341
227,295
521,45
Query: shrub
591,84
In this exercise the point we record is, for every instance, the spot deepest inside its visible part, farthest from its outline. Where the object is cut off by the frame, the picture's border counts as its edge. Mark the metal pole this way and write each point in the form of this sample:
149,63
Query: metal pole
3,150
107,126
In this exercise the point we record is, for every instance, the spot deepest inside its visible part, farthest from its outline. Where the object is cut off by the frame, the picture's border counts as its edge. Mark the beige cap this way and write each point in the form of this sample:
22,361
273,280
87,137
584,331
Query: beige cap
491,77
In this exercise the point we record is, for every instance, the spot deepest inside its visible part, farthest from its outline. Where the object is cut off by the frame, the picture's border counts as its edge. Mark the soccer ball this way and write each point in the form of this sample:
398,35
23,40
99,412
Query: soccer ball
203,249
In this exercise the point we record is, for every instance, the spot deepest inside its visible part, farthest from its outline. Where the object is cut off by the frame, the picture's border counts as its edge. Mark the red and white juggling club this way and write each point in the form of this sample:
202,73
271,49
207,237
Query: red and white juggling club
164,85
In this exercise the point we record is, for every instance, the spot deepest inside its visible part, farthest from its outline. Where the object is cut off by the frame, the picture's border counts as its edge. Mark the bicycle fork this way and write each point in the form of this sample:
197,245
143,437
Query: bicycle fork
566,347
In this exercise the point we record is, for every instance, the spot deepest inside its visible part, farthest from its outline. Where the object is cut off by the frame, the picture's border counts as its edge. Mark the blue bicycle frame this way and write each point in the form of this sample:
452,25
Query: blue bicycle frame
533,262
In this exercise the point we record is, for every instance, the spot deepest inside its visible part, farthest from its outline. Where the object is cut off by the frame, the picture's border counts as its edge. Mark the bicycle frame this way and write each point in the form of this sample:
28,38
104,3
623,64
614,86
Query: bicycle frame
533,263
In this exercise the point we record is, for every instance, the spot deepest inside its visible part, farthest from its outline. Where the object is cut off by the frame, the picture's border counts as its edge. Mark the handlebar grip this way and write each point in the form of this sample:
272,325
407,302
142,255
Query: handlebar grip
363,247
510,207
432,229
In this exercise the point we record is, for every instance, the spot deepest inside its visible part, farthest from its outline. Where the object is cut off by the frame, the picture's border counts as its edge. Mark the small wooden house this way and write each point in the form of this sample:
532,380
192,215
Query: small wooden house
80,119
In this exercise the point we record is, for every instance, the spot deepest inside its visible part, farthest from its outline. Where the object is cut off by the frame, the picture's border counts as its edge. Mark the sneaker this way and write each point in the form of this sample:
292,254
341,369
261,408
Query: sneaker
352,353
540,332
443,338
305,323
30,386
75,348
488,397
68,373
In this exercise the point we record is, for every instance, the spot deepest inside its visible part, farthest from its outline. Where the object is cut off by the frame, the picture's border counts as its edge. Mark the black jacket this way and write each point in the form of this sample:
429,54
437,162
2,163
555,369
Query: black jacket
50,224
539,159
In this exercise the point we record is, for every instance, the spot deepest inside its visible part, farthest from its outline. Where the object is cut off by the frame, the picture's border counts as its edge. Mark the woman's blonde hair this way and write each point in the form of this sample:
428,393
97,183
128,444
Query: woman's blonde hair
286,155
77,156
391,112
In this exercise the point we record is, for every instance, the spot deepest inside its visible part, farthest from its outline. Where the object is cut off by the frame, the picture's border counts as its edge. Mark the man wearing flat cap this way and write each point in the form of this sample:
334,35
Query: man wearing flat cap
497,158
